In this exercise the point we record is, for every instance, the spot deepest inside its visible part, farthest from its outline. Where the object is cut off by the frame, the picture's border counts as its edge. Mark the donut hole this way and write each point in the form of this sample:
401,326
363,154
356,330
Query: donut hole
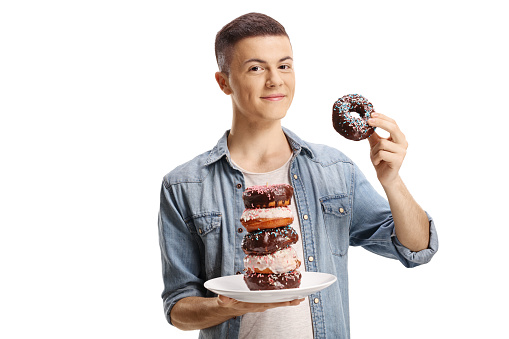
355,115
357,111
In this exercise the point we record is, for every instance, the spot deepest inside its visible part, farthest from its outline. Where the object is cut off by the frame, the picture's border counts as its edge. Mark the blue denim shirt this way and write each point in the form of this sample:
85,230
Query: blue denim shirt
201,235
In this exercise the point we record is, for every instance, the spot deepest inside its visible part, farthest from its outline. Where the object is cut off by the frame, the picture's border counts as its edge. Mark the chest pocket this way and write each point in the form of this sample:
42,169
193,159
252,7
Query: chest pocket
207,228
336,216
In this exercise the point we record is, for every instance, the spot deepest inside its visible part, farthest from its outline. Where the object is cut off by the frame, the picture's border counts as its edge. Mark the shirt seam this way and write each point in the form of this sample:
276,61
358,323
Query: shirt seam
352,195
374,240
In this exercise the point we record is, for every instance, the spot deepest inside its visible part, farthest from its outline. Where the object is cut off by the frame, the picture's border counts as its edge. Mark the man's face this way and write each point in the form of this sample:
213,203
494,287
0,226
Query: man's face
261,78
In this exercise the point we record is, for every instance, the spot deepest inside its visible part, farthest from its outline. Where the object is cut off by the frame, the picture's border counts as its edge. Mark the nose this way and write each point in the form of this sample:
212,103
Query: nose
274,79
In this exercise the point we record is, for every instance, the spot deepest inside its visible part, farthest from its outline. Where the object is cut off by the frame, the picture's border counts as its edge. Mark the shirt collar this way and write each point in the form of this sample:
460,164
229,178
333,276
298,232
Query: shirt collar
221,148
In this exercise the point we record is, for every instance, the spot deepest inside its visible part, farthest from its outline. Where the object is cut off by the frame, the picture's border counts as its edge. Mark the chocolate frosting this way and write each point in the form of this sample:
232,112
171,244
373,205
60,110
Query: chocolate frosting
260,281
348,126
269,240
267,196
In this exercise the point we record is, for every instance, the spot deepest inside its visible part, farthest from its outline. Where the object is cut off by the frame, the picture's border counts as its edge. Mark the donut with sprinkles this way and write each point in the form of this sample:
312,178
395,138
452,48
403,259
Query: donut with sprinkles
259,281
350,115
267,196
269,240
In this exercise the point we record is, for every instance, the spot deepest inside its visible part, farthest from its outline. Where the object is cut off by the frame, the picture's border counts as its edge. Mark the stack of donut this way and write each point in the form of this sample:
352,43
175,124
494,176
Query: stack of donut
271,262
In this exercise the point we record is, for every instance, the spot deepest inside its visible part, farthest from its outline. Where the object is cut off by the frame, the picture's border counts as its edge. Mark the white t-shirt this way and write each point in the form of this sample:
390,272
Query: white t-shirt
280,322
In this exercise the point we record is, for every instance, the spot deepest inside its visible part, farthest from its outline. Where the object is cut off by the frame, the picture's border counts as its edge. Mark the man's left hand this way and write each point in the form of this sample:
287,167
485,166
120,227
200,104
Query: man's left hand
387,154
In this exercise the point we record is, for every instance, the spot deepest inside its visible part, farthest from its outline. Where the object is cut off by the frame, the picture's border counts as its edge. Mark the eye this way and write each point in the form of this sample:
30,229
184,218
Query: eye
256,68
285,67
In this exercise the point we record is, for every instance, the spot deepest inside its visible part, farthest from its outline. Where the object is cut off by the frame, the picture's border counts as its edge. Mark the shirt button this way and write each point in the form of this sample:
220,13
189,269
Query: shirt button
316,301
341,210
239,185
240,230
305,217
201,231
311,258
295,176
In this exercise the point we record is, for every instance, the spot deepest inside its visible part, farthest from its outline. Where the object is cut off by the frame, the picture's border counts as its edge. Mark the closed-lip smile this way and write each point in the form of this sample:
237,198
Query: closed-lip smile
274,97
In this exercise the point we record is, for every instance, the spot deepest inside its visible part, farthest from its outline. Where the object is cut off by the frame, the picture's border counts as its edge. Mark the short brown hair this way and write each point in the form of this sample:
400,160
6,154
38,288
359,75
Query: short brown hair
245,26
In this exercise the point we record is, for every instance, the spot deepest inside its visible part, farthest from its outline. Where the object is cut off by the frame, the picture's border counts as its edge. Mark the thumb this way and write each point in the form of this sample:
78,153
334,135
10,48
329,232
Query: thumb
373,139
224,301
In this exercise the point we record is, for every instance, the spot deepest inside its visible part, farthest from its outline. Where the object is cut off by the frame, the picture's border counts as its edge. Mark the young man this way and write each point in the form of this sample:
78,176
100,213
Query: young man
333,204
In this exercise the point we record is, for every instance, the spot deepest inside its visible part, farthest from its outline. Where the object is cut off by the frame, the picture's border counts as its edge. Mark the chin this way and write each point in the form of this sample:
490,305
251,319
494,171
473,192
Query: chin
263,116
275,116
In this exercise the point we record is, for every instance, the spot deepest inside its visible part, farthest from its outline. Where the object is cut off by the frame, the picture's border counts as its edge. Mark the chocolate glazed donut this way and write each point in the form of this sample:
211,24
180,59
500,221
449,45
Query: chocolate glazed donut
267,196
260,281
268,241
352,126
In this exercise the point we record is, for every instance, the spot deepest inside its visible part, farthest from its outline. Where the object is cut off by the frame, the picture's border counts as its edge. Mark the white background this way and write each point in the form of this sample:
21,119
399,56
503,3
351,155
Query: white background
100,99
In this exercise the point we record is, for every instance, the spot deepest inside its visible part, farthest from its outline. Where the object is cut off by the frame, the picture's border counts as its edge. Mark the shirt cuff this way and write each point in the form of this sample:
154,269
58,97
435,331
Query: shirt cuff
420,257
171,301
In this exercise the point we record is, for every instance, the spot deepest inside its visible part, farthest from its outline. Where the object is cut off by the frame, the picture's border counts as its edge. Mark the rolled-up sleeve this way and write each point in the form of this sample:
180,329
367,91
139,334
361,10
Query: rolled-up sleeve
180,254
372,226
420,257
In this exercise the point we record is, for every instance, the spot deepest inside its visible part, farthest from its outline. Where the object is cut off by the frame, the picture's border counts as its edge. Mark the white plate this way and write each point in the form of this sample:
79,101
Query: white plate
233,286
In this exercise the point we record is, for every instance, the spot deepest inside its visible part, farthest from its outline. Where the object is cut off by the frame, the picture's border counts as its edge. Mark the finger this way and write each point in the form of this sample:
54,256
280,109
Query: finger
392,159
225,301
296,302
383,123
389,146
388,125
383,117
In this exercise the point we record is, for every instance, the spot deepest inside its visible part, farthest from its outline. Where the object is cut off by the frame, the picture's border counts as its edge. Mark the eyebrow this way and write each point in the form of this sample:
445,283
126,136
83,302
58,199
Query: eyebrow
264,62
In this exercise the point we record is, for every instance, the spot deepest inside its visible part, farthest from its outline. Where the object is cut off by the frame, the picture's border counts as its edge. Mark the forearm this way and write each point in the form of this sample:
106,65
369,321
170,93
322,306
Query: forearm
410,221
195,313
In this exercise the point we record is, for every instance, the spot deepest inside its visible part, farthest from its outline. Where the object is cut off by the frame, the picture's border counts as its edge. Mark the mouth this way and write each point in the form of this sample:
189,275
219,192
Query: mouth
274,97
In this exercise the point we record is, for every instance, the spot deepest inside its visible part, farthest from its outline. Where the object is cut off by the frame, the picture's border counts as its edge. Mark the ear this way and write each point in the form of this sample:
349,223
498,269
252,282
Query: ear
223,82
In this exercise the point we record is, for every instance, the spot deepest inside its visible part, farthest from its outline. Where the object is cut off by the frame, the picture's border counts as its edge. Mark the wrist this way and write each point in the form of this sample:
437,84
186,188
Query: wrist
395,184
224,307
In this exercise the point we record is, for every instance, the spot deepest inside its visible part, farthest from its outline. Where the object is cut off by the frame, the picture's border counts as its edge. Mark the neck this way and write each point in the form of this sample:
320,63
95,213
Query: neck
258,148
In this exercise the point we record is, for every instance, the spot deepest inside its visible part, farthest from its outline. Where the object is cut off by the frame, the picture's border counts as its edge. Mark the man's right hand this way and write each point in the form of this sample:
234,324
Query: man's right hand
240,308
196,313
